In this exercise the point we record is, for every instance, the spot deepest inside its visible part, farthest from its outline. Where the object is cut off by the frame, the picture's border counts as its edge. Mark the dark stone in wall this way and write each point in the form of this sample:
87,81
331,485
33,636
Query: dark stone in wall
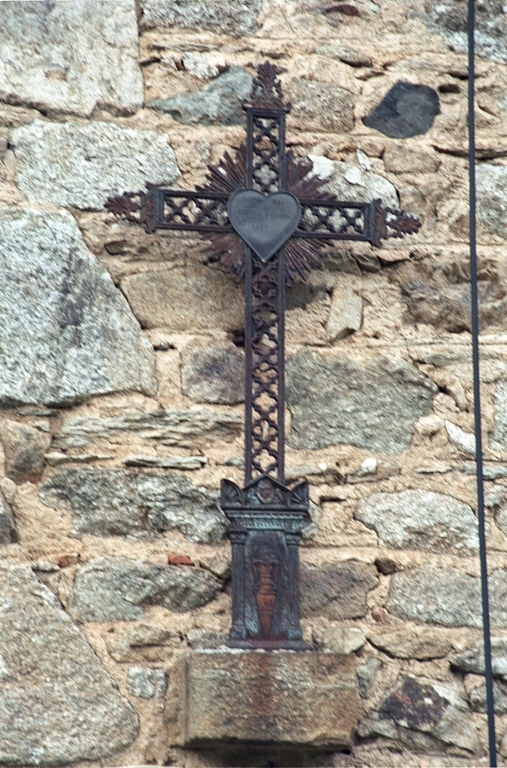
334,400
218,103
213,372
337,591
115,502
118,589
406,110
437,292
428,716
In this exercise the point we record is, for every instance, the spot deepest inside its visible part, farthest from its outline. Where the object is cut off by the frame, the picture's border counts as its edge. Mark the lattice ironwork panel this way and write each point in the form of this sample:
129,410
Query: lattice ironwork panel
266,150
265,401
192,211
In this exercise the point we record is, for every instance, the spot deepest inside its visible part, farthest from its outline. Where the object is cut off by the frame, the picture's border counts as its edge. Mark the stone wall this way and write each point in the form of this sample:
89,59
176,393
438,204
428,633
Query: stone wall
121,368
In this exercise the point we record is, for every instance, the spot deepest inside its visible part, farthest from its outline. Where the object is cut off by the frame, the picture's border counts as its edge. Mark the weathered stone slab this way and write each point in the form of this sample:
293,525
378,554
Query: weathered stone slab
193,298
447,596
339,639
117,589
71,57
366,672
345,314
8,533
186,427
218,103
478,700
343,53
163,462
416,519
80,166
233,18
406,110
320,106
472,659
449,18
492,198
400,159
24,449
437,292
425,715
337,591
58,705
147,682
66,332
357,183
278,698
498,436
114,502
412,644
213,372
335,400
142,642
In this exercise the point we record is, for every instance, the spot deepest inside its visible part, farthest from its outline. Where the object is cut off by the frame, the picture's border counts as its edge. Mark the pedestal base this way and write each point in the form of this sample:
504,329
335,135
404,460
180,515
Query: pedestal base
278,698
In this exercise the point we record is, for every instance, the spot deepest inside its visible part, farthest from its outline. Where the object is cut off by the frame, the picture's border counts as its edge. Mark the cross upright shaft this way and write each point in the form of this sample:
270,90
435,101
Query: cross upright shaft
275,235
265,307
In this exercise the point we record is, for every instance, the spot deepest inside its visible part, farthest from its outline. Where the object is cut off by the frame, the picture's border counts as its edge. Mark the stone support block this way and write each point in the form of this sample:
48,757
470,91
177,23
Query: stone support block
277,698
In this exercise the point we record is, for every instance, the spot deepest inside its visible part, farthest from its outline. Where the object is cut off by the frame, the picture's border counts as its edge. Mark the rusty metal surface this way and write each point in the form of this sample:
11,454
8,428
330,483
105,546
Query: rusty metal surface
266,517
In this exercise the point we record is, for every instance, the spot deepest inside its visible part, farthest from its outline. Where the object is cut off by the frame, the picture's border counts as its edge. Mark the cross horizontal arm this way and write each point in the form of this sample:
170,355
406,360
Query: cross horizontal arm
178,209
206,211
341,220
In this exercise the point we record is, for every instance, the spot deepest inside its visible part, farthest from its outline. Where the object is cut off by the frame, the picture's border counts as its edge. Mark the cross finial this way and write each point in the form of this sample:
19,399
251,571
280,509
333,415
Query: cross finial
266,90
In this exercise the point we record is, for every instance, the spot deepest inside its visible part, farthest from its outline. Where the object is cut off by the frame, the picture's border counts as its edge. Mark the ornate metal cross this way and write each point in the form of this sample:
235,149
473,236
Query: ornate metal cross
267,218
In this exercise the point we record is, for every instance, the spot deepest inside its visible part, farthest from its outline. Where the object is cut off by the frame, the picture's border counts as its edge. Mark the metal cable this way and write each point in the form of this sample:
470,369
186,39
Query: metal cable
477,392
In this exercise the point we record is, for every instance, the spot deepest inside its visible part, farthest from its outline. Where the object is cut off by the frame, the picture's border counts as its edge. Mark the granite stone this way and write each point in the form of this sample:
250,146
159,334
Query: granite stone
80,166
337,591
498,436
147,682
233,18
424,715
71,57
318,106
142,642
335,400
118,589
213,372
449,18
421,644
416,519
492,198
66,332
193,298
446,596
115,502
437,292
217,103
8,534
58,705
24,449
472,658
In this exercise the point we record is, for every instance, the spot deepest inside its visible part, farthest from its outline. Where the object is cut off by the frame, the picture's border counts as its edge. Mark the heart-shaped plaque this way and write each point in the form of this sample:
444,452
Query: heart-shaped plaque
265,223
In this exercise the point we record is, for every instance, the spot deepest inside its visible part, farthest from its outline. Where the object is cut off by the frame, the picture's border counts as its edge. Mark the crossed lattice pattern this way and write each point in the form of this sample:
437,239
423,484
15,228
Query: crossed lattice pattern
265,367
195,210
266,153
335,218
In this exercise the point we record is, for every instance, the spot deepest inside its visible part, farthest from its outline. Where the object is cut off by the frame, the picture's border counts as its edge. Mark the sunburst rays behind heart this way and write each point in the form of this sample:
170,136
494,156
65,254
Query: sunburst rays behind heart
301,255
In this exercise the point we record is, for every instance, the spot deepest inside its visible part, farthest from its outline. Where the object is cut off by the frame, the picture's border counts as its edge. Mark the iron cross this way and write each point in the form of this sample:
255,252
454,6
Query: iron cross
266,217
